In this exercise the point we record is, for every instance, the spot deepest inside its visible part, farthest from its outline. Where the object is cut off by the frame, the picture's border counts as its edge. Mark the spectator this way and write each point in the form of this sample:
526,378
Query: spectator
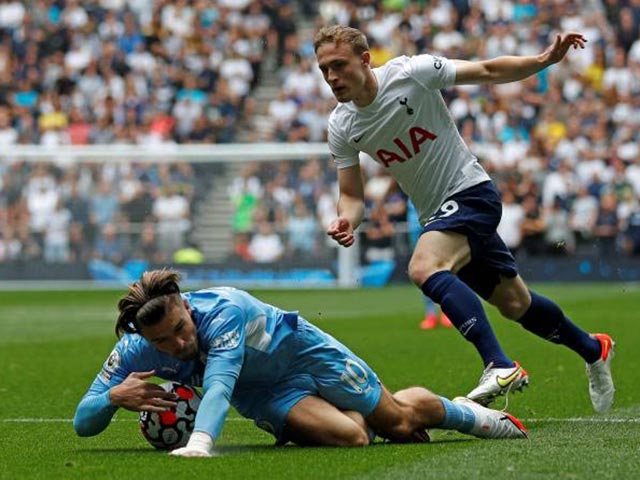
378,236
631,239
10,246
103,205
582,219
109,246
607,225
558,236
510,227
302,232
79,245
266,246
8,134
41,203
241,248
533,227
56,235
171,209
633,175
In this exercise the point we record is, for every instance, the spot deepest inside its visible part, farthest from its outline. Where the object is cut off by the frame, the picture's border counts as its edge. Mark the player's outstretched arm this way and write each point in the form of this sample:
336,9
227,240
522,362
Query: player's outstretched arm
507,69
224,363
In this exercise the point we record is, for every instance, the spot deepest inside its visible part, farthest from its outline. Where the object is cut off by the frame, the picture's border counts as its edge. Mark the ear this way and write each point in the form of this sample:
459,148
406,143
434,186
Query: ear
187,305
366,58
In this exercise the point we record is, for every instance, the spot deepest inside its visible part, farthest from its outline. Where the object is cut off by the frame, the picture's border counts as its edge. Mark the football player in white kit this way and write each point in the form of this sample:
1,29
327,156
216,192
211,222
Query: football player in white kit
396,114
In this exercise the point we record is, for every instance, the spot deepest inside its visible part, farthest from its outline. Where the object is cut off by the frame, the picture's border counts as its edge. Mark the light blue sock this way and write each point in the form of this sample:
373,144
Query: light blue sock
457,417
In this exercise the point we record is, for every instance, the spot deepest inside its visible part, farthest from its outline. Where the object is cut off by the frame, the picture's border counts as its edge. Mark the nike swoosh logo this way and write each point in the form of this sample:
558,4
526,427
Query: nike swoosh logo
466,330
357,139
468,325
505,381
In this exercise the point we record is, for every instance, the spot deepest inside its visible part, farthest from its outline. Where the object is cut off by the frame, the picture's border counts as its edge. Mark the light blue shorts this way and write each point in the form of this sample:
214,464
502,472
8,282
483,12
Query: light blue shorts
321,366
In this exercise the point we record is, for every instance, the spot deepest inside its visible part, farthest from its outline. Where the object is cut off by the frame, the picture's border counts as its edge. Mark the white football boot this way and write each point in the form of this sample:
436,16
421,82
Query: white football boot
492,423
601,389
498,381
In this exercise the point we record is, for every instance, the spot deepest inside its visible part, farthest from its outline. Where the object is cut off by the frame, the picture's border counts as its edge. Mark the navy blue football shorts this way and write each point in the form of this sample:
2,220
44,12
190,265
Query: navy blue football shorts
475,213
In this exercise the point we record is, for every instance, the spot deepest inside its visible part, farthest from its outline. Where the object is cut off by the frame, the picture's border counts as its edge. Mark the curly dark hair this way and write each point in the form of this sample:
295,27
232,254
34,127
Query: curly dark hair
147,301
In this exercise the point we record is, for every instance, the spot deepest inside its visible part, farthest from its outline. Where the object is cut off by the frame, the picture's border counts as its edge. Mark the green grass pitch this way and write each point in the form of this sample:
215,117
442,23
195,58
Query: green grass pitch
53,343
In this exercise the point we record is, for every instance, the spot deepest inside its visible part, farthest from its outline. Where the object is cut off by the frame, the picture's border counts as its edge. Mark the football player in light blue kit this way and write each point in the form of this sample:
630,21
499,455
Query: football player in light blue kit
274,367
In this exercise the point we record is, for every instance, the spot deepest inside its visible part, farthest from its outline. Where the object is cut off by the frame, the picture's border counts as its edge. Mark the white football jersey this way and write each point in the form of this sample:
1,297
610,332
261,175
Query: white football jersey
409,130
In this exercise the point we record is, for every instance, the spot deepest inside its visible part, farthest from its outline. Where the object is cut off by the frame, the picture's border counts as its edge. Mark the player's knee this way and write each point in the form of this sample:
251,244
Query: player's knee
421,270
361,439
354,437
514,307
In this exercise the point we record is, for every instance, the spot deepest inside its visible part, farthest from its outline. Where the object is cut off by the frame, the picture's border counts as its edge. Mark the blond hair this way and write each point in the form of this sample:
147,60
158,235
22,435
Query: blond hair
341,35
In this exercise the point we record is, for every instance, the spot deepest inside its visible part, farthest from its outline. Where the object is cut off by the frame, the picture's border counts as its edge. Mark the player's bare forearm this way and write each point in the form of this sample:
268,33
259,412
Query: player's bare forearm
507,69
350,214
352,209
350,206
351,201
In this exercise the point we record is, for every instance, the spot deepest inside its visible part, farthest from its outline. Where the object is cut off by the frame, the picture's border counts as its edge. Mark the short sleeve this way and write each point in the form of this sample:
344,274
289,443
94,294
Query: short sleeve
343,154
223,329
433,72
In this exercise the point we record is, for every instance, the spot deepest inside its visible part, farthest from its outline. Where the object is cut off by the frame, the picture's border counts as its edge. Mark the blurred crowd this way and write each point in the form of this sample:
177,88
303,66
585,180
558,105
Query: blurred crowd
96,211
563,146
120,72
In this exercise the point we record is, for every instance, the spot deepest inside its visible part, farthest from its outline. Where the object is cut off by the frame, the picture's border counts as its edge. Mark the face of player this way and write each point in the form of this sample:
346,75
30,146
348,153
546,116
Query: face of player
347,73
176,333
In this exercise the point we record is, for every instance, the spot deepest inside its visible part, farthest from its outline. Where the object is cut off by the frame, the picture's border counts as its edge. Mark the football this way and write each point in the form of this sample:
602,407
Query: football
171,429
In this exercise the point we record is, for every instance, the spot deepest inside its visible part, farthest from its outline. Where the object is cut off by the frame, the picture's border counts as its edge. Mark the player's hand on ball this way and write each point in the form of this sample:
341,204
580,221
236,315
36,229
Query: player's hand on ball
190,452
136,394
341,231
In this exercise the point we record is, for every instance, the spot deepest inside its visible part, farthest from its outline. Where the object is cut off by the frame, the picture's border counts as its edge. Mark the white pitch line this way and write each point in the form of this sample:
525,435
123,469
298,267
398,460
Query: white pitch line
582,420
236,419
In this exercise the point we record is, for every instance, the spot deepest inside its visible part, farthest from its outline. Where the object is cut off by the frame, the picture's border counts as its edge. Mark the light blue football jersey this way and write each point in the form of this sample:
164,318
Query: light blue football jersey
242,341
